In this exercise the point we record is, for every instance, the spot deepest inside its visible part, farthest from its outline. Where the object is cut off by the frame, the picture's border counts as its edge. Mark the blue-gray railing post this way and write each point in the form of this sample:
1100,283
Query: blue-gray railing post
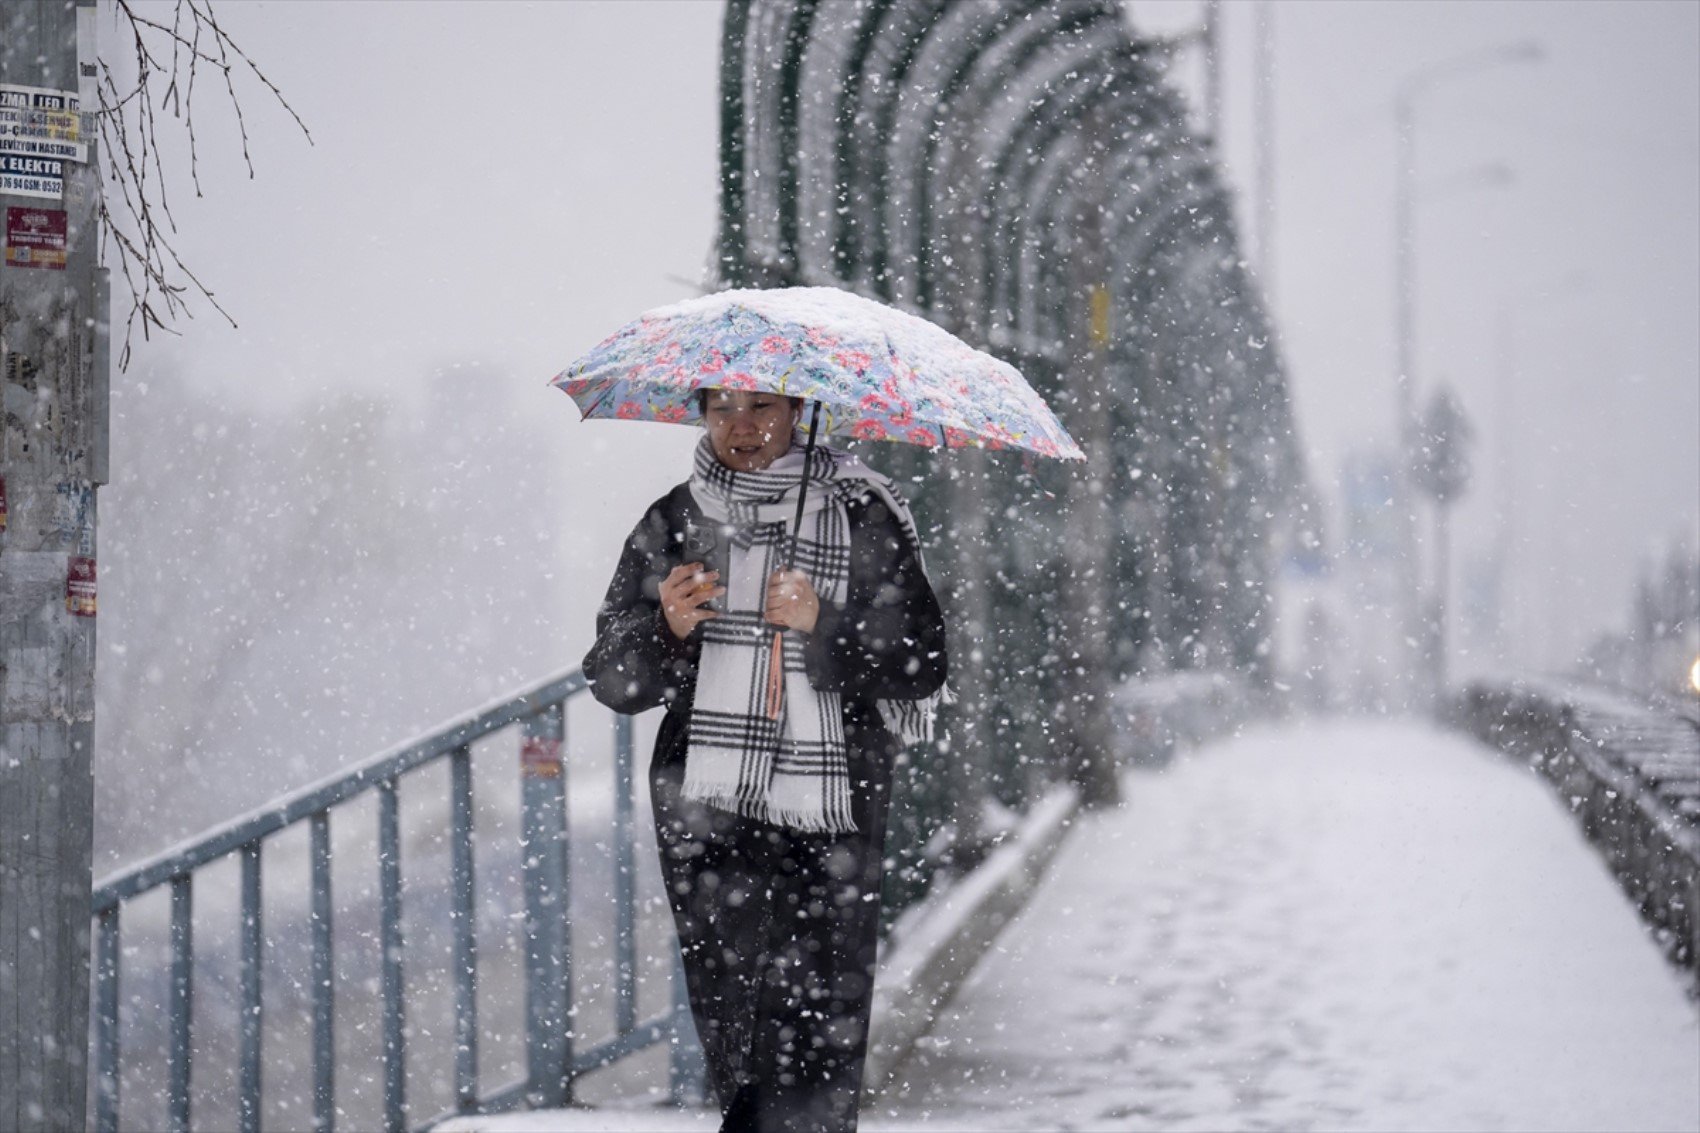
685,1067
548,951
466,931
106,1023
253,943
323,976
389,939
625,888
182,999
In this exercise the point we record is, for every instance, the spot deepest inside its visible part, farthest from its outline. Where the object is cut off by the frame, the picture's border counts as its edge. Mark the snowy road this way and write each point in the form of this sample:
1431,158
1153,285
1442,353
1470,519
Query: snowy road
1358,926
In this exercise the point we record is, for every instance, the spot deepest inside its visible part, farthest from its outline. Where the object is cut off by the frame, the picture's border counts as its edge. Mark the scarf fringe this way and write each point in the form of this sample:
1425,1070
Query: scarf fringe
835,819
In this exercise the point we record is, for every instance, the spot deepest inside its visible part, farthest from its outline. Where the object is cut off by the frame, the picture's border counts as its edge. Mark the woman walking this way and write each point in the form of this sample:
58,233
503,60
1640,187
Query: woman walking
770,781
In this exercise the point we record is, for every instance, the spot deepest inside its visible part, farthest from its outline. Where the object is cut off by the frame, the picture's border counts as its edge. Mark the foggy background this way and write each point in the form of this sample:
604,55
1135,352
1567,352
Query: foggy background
361,511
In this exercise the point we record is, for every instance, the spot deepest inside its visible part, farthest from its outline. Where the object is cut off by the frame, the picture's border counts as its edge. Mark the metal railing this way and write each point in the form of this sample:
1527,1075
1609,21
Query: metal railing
552,1057
1628,770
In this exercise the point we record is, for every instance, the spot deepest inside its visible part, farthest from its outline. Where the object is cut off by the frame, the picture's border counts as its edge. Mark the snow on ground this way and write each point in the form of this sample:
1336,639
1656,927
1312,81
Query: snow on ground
1357,926
1344,926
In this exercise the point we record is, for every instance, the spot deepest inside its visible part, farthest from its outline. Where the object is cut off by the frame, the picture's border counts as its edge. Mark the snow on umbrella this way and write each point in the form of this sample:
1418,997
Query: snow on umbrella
876,373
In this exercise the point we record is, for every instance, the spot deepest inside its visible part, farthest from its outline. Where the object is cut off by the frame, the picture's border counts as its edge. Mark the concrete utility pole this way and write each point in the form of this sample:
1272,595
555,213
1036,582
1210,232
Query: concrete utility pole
53,382
1263,135
1212,36
1086,650
973,650
1404,377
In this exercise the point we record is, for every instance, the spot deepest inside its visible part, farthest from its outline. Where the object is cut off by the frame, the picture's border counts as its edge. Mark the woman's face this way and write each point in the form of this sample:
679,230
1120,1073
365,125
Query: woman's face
749,431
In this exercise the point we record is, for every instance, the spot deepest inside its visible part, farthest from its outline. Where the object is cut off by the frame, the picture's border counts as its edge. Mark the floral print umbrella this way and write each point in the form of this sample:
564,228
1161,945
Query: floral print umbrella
876,372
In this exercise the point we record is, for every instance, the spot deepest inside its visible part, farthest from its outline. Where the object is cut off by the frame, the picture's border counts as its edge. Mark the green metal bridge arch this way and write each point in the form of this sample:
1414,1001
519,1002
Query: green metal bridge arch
970,162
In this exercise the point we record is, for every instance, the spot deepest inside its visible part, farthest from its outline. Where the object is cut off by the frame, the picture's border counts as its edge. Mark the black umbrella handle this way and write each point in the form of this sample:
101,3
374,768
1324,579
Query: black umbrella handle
803,490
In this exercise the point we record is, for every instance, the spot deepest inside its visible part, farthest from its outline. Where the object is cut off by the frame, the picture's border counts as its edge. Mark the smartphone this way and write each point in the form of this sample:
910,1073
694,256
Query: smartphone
702,545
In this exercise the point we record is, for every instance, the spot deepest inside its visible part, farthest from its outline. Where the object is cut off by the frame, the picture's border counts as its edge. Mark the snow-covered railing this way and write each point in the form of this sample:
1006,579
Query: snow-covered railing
936,946
1155,715
552,1016
1630,773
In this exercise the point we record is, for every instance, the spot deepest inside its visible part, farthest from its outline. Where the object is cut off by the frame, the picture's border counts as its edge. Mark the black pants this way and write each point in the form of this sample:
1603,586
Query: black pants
778,931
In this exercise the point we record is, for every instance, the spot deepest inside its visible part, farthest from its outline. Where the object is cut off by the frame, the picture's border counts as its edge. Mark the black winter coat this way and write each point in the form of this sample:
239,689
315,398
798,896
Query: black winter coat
886,641
778,930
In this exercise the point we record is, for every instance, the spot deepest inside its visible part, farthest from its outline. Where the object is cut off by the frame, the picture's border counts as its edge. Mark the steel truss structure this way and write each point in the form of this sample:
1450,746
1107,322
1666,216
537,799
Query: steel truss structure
1019,173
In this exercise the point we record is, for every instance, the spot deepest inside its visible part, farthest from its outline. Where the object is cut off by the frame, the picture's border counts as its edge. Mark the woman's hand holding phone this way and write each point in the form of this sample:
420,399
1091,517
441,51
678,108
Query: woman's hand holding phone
685,593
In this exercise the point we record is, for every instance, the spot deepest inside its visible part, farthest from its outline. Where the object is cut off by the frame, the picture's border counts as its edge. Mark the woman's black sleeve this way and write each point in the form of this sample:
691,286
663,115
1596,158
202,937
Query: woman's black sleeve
637,663
887,640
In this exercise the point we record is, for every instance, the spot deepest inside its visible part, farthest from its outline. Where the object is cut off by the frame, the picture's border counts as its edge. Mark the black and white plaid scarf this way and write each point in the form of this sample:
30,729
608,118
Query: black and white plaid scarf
791,770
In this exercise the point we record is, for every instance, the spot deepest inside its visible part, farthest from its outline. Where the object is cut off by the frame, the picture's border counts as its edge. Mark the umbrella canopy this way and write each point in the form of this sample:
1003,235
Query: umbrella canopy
878,373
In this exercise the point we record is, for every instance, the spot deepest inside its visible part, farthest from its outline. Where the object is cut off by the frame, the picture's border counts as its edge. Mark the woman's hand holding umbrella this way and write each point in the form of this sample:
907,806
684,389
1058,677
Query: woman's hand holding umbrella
792,601
683,594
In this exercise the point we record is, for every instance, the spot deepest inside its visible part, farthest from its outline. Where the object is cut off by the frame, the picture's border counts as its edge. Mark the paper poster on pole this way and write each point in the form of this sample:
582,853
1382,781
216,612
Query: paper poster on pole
16,96
42,147
23,176
35,238
38,122
540,757
80,586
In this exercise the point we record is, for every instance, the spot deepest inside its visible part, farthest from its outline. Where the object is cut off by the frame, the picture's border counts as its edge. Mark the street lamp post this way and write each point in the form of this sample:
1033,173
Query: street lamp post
1508,629
1405,97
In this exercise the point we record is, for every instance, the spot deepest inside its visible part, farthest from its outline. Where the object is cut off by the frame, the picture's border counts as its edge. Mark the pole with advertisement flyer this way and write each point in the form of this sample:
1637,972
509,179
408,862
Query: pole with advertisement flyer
53,381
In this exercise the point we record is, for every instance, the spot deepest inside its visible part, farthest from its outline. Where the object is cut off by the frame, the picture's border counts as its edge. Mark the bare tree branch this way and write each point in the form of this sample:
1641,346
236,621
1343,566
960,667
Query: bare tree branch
135,206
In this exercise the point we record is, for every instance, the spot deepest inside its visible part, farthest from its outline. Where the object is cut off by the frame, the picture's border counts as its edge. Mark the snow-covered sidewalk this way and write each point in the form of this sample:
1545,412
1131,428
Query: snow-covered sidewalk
1345,926
1354,926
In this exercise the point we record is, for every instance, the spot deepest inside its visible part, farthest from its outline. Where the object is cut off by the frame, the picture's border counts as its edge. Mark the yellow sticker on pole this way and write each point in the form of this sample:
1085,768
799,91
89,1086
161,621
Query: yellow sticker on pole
1100,298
